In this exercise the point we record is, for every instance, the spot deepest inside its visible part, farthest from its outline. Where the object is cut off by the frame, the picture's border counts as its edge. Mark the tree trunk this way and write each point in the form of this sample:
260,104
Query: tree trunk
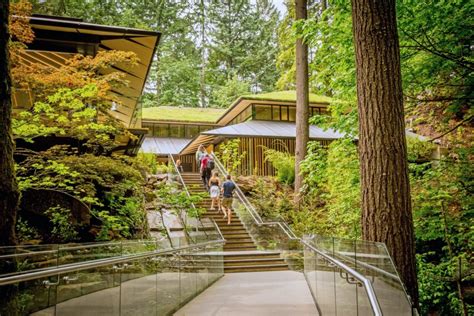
302,100
202,83
385,188
9,194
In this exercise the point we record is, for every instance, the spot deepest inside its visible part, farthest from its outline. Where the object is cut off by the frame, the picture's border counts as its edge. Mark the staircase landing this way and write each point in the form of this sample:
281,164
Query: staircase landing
262,293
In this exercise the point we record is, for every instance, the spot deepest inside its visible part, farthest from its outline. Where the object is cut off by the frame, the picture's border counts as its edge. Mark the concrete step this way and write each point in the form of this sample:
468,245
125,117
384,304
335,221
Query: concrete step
253,262
235,235
266,255
246,239
259,268
239,243
231,247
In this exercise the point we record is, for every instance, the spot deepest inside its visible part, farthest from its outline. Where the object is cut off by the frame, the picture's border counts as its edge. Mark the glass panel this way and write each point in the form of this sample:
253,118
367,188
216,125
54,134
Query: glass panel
192,131
291,114
276,112
263,112
161,130
205,128
150,129
138,288
90,292
247,113
177,131
284,113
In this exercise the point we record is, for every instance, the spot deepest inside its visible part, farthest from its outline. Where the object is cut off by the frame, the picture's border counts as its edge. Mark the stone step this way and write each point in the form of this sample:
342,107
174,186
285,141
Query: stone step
232,248
235,235
239,243
245,240
266,255
259,268
253,262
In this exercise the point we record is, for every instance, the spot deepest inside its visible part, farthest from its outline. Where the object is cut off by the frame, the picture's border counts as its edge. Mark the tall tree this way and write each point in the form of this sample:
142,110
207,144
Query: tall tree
385,188
9,194
302,98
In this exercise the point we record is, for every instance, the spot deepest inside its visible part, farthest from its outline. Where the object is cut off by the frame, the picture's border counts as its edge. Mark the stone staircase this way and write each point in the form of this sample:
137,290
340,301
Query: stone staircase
240,252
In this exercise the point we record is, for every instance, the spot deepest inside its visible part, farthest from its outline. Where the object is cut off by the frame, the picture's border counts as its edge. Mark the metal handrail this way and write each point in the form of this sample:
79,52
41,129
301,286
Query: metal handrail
367,285
98,263
189,195
253,213
291,235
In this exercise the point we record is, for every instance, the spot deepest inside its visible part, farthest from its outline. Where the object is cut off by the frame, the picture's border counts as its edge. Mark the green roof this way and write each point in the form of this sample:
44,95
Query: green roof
286,96
185,114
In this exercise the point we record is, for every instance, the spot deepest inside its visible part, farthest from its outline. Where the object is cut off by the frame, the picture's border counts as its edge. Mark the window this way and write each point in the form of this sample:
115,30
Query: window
263,112
292,114
161,130
176,131
150,129
284,113
192,131
275,112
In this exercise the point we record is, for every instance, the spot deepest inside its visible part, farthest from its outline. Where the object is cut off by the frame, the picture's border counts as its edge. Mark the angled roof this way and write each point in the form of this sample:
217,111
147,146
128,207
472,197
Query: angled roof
58,39
274,129
253,128
164,145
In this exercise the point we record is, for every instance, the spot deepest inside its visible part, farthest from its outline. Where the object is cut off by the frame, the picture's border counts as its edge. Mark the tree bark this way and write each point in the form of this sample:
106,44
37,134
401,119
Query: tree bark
385,188
302,100
9,194
202,77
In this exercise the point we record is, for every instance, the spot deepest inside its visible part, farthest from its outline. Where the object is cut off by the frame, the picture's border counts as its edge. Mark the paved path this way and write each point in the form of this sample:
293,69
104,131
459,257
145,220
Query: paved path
254,293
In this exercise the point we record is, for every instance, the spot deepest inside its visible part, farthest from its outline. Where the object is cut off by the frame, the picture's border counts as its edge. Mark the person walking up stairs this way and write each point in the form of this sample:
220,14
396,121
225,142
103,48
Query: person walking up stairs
241,254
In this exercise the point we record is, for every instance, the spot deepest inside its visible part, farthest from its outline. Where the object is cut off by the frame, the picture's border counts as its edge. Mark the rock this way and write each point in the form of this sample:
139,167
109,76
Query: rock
149,196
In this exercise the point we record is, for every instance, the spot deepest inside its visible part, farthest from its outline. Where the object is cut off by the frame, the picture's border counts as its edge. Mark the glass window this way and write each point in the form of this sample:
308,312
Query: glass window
292,114
204,128
275,112
150,129
192,131
284,113
176,130
247,112
263,112
161,130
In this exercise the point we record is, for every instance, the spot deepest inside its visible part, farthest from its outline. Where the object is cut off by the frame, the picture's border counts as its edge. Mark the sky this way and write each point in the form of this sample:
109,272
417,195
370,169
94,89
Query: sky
280,6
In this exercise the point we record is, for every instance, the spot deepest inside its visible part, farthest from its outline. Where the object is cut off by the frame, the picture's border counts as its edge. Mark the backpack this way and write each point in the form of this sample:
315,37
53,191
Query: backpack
210,164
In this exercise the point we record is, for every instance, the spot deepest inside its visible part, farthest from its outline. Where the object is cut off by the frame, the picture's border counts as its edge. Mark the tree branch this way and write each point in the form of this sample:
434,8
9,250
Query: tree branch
452,129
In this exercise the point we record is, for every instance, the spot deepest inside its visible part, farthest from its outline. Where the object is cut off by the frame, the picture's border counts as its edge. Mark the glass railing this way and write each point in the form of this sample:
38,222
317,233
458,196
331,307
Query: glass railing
372,260
143,280
345,276
198,228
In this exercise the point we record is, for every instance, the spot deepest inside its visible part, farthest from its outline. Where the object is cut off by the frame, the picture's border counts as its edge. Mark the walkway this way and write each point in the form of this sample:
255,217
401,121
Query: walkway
254,293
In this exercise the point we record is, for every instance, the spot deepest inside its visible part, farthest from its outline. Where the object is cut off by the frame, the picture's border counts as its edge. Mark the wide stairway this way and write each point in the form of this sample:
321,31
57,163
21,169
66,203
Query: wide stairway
241,254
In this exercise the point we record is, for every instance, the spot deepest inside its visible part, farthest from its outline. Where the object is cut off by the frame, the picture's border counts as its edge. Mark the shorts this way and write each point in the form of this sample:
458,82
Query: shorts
215,192
227,202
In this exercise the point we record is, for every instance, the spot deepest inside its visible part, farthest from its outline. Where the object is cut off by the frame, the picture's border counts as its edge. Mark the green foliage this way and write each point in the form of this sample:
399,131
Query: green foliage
230,155
178,200
443,207
63,230
284,163
332,177
419,150
233,88
24,231
149,161
112,187
68,112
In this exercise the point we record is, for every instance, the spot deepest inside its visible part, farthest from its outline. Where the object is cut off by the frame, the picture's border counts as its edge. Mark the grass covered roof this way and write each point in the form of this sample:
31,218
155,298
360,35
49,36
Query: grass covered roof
186,114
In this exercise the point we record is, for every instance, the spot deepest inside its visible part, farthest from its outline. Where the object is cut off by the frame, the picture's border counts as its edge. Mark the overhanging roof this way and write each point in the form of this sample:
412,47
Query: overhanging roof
164,145
58,39
274,129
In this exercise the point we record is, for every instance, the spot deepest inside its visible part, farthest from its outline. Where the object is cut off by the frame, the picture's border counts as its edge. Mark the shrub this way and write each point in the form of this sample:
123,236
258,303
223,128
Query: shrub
284,163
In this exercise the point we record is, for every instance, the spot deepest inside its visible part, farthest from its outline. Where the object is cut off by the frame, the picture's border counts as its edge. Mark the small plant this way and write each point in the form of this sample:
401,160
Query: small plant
284,163
230,155
63,230
24,231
